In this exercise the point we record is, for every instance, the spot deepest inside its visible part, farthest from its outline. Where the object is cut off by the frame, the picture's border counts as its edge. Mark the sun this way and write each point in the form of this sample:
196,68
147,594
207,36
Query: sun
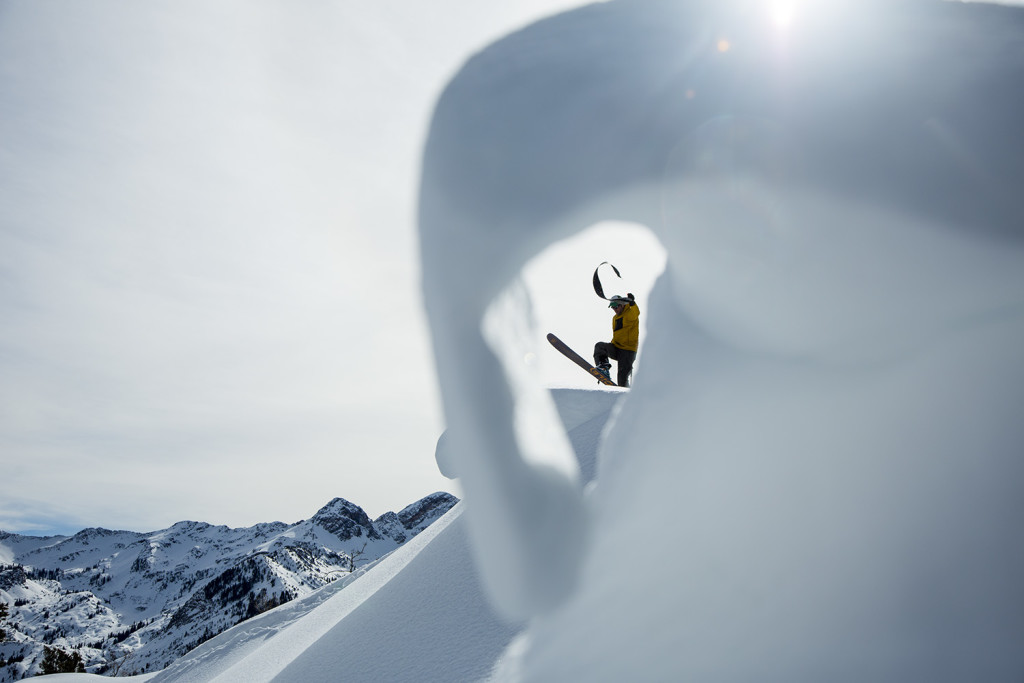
781,14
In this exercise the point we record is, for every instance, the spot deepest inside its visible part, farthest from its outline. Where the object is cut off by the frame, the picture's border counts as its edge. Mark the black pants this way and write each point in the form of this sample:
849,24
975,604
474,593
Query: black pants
605,350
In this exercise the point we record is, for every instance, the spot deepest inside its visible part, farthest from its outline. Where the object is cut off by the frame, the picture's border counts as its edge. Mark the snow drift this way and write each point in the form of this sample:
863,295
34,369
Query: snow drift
820,462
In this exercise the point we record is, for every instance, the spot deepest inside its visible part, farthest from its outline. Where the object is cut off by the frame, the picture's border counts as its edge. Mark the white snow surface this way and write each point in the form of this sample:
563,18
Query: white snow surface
818,472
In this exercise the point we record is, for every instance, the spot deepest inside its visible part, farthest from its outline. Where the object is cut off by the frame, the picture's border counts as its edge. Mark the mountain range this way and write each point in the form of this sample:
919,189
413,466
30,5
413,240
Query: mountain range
130,602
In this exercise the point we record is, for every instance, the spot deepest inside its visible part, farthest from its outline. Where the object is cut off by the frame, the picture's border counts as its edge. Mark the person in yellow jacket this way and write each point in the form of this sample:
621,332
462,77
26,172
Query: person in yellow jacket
625,339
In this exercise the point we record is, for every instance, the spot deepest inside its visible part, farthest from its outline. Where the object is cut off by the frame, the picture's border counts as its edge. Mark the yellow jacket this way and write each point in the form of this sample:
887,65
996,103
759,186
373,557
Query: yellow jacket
626,329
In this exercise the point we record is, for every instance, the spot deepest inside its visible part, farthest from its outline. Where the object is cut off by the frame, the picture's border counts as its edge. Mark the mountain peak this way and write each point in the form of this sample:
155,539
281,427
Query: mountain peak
338,505
344,520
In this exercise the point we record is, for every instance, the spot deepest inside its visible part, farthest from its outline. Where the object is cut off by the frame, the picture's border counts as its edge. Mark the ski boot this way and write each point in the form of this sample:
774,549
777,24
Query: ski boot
605,369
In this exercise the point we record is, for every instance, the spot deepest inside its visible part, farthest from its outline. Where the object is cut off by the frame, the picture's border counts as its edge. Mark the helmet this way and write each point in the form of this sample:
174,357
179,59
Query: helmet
618,301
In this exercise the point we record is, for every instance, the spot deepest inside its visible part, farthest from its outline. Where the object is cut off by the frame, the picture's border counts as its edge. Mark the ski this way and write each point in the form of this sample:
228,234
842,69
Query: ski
579,360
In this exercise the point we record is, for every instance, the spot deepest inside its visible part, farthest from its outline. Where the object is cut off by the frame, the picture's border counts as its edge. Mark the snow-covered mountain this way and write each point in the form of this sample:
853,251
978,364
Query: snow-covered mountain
129,601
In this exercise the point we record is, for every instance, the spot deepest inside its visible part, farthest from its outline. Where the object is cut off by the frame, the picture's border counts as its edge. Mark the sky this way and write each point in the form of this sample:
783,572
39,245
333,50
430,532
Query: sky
209,286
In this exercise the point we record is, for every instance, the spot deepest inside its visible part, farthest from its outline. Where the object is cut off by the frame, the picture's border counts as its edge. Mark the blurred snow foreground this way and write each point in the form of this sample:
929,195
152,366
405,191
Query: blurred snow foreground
819,472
